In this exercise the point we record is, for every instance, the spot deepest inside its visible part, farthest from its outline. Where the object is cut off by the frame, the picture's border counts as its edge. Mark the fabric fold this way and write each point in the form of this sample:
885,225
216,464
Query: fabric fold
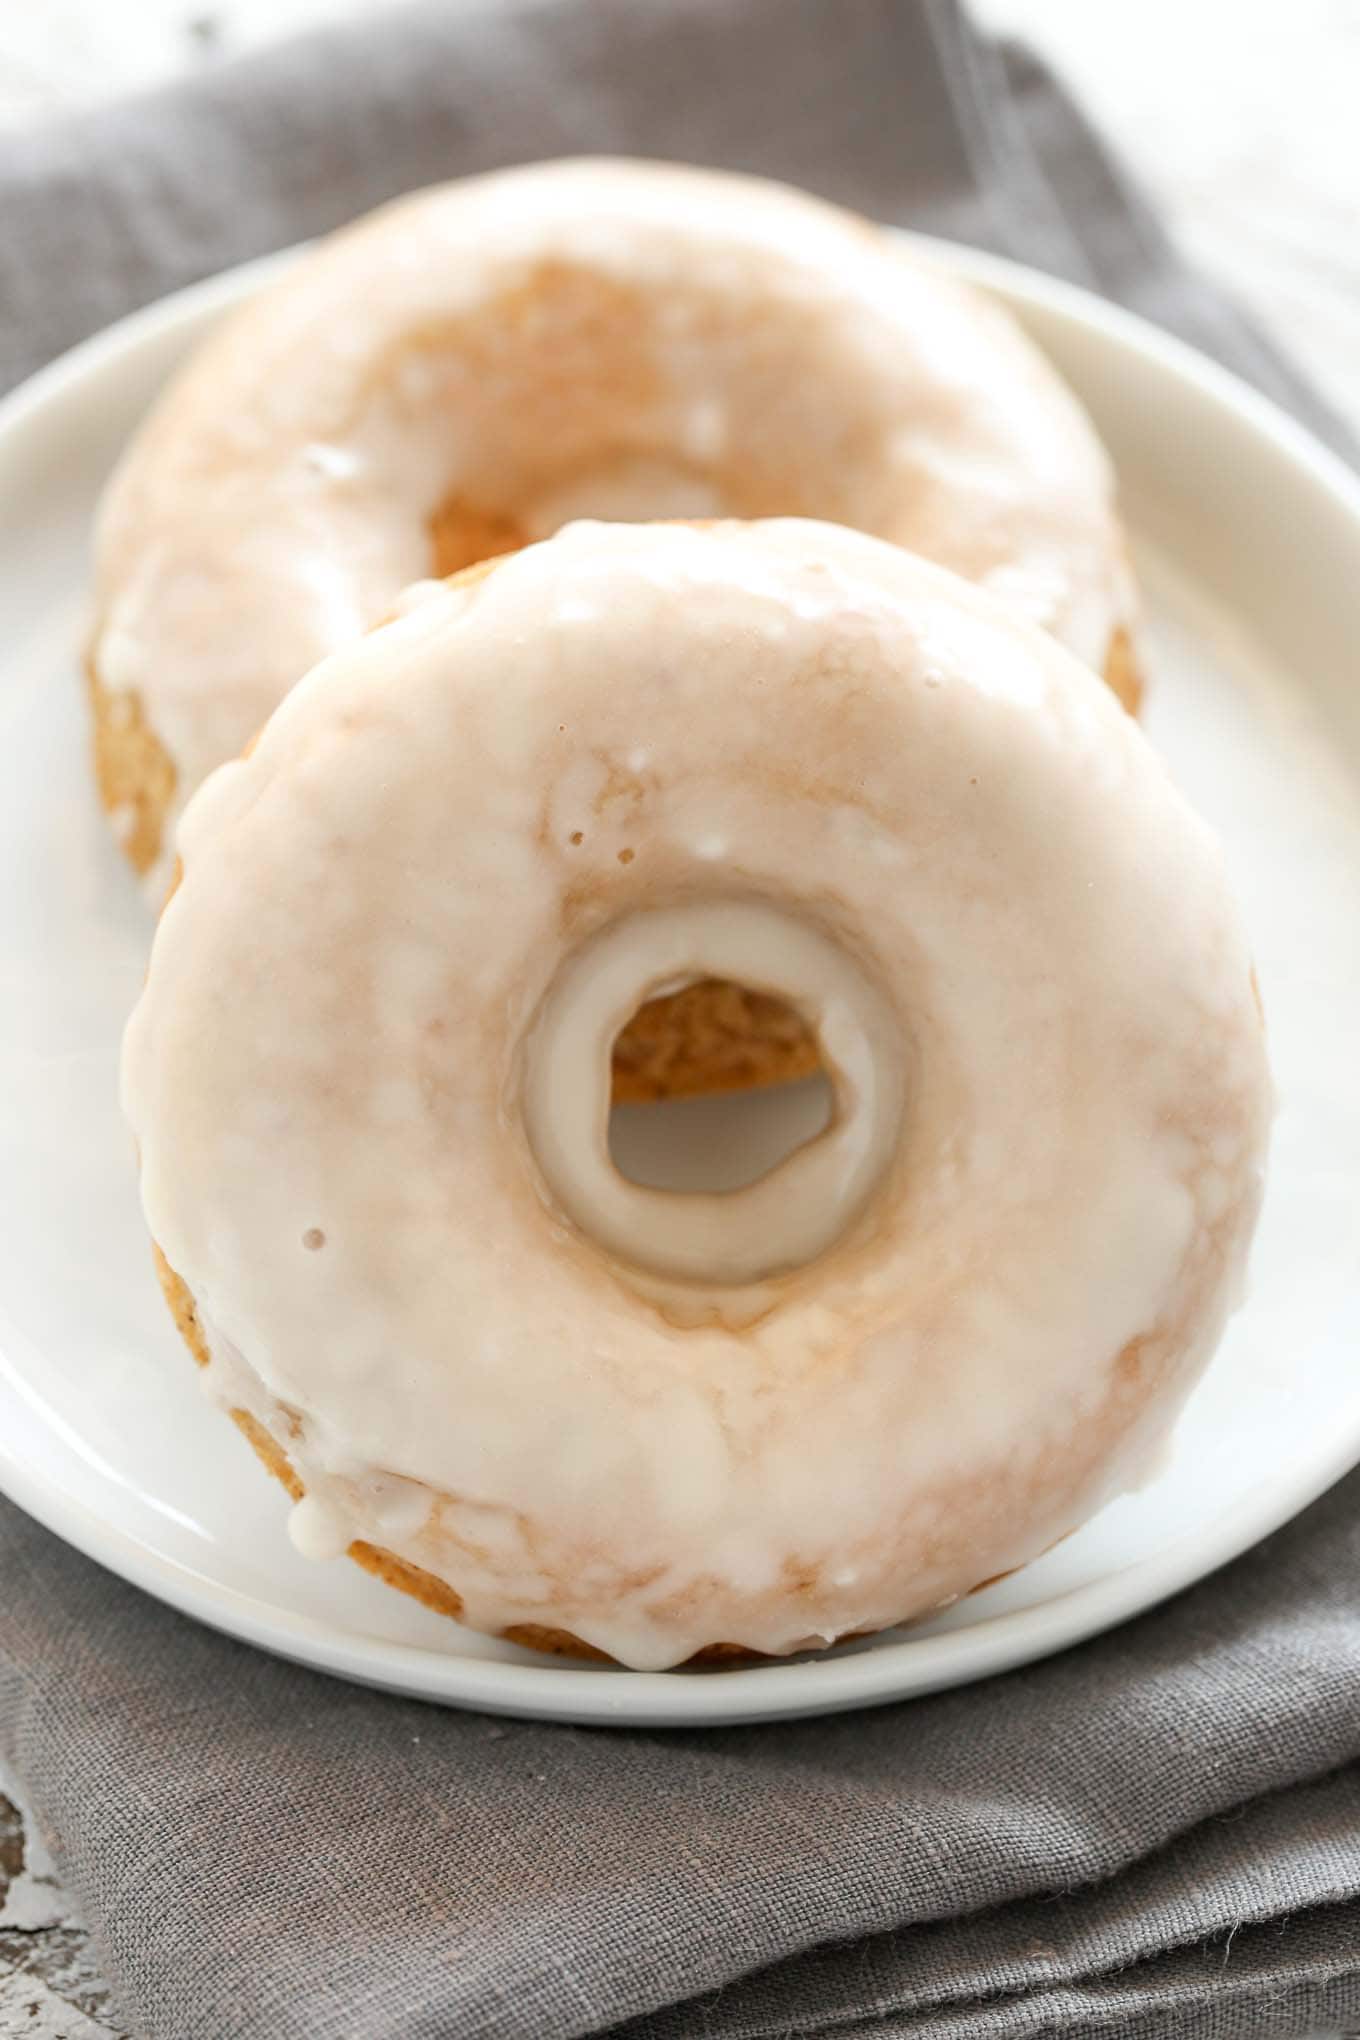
266,1840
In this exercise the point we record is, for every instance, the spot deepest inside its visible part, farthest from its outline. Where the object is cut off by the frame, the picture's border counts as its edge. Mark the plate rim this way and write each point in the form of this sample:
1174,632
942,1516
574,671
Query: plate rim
769,1690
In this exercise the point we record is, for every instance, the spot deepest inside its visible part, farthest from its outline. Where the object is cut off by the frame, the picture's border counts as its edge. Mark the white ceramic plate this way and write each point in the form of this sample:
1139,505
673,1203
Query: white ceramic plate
1249,547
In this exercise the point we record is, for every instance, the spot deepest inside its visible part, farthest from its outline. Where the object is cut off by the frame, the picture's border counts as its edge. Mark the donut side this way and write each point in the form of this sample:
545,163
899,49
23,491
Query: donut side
422,1586
1123,674
134,773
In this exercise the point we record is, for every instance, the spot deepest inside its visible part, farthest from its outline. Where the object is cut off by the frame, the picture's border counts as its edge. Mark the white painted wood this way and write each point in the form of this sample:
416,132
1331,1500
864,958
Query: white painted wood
50,1988
29,2007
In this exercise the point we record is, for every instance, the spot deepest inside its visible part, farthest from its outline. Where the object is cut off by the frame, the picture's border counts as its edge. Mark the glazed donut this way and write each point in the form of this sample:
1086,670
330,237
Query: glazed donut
369,1081
472,367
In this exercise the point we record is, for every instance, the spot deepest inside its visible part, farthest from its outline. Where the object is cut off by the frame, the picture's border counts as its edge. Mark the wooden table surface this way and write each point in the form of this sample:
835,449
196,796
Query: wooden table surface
1240,117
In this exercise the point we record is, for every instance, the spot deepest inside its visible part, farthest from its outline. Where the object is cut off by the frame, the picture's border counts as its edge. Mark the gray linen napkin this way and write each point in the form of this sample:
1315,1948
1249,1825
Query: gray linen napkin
1157,1834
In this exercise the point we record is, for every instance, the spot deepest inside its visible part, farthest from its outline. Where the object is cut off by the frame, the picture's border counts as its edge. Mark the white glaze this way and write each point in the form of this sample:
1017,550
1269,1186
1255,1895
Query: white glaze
786,1217
390,887
318,1529
761,353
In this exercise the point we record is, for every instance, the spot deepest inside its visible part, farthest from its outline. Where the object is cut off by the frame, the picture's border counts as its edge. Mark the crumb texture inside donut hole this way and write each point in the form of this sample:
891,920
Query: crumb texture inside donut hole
135,773
462,535
711,1036
712,1087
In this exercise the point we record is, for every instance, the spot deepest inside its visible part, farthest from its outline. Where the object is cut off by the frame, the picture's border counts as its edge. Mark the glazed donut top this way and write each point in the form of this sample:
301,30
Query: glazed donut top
369,1080
474,366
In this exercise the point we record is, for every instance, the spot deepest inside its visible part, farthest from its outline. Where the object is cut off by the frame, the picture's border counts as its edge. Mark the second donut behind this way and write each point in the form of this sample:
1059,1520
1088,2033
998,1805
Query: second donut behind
473,367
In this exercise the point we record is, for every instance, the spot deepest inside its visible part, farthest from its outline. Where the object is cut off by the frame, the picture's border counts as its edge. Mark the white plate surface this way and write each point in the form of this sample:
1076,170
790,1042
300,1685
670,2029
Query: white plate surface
1248,538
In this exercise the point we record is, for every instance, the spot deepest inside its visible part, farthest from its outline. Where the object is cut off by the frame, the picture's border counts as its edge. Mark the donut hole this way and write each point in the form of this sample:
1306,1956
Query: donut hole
573,393
695,1126
713,1086
462,535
